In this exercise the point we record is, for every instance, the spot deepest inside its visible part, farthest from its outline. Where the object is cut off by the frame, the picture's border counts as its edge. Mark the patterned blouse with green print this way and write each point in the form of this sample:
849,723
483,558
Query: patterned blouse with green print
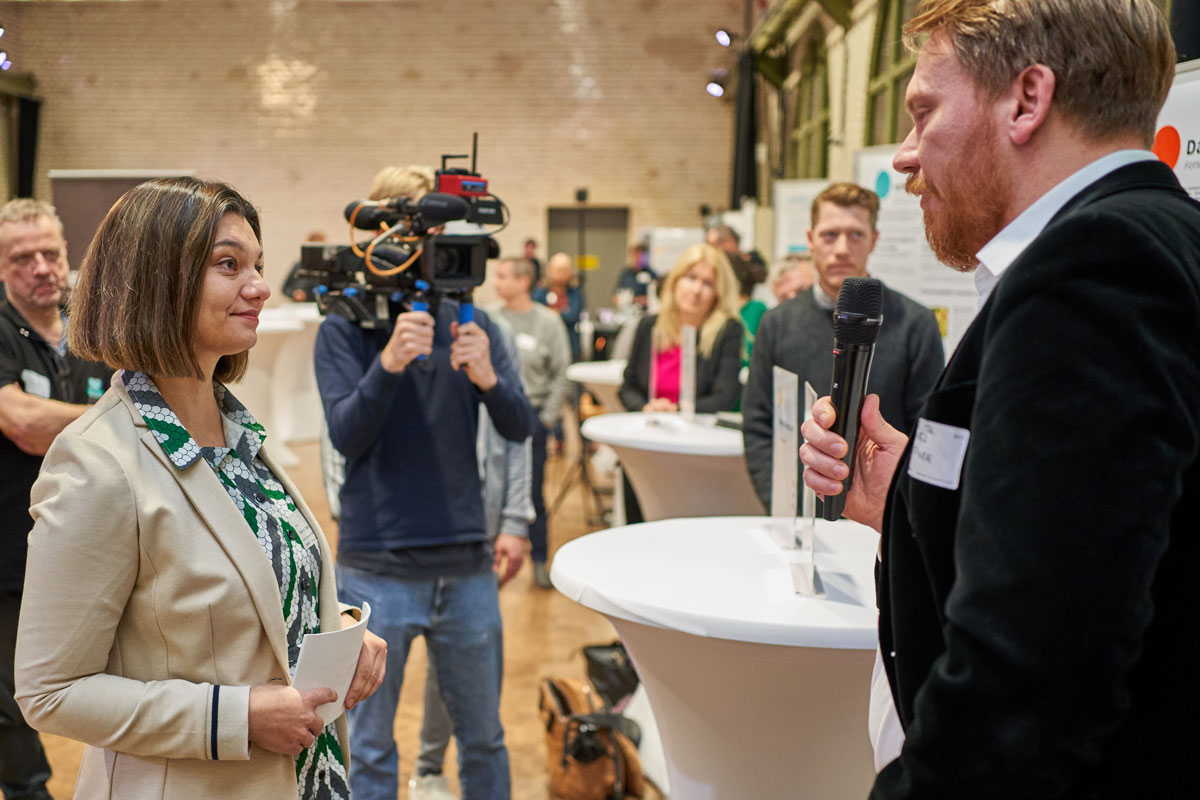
281,530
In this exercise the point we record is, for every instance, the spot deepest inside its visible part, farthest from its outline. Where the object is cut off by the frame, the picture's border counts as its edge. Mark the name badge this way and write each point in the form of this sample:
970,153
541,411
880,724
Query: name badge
526,342
35,384
938,453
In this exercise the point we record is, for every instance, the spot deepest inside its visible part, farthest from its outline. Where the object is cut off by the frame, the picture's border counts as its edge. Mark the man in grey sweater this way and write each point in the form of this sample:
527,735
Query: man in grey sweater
545,353
798,334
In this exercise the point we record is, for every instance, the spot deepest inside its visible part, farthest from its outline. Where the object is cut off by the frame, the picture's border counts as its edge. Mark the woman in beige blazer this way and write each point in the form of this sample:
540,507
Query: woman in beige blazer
173,567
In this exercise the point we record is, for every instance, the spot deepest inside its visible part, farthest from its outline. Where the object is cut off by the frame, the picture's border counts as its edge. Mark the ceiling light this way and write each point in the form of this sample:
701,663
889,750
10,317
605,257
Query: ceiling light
717,79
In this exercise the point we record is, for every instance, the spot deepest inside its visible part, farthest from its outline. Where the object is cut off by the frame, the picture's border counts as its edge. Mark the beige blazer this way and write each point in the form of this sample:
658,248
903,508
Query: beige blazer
149,611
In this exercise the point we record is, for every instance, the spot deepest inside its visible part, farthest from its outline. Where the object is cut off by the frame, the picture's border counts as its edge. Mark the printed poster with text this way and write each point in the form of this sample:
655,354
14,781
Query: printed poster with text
902,258
793,215
1177,138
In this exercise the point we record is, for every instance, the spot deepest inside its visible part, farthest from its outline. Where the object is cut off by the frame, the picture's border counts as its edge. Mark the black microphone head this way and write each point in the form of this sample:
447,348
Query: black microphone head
357,205
438,208
371,215
859,311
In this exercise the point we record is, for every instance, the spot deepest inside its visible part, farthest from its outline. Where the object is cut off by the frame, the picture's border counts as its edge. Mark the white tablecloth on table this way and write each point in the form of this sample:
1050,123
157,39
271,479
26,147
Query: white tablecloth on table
679,467
756,691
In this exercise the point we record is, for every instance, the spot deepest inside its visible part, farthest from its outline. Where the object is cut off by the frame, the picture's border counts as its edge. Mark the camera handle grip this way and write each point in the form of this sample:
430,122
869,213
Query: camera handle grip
420,305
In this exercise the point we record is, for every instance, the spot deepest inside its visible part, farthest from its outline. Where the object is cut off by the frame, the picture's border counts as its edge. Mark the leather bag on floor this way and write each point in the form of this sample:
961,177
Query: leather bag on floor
588,753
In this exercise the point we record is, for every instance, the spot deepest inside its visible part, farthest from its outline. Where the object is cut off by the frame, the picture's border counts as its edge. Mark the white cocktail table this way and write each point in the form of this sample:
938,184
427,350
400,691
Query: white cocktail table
601,378
679,468
757,692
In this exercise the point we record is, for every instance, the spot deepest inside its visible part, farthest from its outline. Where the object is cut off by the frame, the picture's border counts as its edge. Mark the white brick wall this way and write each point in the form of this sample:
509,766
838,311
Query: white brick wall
300,102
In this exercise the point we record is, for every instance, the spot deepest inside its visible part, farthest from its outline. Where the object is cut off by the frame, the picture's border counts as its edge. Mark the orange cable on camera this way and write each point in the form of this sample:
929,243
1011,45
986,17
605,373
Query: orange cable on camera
383,273
353,244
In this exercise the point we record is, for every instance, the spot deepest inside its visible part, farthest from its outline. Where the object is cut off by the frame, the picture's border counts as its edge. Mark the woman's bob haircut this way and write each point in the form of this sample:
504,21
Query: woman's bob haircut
136,302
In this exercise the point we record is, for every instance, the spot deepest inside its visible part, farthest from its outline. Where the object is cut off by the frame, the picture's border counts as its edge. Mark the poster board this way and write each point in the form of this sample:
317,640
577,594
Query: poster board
793,215
742,221
902,259
667,245
83,197
1177,137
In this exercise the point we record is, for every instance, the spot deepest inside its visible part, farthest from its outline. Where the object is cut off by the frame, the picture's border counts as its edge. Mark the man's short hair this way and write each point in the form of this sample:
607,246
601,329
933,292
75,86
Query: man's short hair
1113,60
847,195
522,268
725,233
26,209
136,303
413,181
790,261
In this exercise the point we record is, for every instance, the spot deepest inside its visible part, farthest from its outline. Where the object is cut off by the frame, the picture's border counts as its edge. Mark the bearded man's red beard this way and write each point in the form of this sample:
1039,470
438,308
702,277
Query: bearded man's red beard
972,209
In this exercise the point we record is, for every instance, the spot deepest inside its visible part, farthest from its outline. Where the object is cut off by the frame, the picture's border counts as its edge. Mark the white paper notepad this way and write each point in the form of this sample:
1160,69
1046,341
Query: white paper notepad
329,659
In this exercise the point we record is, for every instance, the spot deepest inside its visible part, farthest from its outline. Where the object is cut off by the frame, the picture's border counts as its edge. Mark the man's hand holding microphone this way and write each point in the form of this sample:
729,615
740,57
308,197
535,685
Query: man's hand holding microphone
879,447
849,418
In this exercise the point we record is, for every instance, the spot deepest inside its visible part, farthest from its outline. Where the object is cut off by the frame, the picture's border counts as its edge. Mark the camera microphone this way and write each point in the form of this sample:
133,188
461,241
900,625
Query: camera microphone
856,323
433,209
438,208
371,214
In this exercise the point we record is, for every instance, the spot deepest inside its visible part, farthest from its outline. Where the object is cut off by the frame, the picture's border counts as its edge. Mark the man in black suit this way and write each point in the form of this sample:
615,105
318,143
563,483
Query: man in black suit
1040,530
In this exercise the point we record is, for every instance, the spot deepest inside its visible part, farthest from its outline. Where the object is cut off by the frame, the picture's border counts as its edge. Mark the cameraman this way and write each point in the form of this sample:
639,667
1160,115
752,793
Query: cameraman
412,537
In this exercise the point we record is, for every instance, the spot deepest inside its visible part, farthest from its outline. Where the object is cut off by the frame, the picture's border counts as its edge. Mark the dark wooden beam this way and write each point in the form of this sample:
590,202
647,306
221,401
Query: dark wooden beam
775,27
839,10
17,85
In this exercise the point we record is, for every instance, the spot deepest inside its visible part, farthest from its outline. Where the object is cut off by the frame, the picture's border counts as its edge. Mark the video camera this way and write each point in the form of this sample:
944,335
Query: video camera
365,281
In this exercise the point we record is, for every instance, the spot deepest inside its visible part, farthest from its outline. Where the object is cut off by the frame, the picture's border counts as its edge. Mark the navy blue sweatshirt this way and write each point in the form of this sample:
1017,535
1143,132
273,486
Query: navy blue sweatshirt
412,478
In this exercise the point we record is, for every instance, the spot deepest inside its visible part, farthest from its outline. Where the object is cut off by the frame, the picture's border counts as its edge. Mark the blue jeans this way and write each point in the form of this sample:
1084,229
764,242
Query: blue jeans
460,620
435,728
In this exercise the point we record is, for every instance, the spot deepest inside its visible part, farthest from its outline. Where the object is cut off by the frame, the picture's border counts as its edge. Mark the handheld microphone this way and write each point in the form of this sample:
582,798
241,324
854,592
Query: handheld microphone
856,323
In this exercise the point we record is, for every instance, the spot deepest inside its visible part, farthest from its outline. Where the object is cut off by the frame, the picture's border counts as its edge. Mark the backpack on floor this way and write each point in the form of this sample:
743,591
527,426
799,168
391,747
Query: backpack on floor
590,753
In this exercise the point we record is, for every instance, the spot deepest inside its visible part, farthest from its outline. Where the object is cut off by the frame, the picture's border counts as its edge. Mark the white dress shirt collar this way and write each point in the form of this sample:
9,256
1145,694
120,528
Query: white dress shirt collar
997,255
822,299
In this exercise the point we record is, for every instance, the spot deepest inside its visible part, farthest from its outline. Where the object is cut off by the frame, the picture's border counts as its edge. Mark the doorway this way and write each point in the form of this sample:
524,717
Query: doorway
605,234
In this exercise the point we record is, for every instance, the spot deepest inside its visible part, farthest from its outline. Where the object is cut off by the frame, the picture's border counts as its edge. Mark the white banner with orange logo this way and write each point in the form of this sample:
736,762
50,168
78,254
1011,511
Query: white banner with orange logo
1177,141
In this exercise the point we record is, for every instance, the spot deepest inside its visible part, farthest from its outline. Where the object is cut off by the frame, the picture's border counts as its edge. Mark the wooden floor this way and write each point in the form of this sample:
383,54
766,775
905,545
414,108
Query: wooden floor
543,633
